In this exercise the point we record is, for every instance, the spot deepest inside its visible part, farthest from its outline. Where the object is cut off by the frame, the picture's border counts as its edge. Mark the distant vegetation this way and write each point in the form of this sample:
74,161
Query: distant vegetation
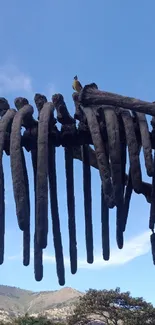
28,320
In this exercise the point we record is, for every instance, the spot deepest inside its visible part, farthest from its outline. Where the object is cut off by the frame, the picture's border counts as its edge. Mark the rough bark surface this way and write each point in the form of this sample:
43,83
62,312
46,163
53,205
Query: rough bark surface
55,217
42,175
105,228
92,97
101,157
18,177
71,208
4,122
146,143
87,203
133,151
38,253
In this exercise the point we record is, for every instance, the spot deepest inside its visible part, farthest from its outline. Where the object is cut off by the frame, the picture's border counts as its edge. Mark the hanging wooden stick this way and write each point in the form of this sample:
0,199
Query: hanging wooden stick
87,203
105,228
55,216
71,208
18,171
4,122
38,252
102,161
42,175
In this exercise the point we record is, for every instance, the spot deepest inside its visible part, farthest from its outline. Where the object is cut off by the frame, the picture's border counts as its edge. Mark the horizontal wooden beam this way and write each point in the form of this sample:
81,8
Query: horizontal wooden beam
91,96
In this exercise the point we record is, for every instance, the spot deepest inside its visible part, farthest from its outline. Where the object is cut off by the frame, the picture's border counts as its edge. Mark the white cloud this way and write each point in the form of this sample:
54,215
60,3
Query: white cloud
133,248
13,80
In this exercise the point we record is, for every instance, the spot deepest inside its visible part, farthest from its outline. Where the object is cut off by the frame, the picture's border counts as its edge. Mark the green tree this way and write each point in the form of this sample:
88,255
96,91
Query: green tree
29,320
112,307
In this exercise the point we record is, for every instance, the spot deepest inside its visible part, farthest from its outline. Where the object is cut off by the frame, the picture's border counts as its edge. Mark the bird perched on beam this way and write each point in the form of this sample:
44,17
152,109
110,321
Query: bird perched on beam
76,84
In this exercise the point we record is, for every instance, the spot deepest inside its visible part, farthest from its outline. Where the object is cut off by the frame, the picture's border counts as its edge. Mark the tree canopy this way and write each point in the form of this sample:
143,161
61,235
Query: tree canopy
113,307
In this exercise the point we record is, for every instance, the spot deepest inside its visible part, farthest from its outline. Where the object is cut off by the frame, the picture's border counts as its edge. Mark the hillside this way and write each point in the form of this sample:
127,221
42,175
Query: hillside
55,304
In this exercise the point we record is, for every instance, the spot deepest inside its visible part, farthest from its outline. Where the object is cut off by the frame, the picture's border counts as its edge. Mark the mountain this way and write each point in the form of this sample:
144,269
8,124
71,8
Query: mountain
54,304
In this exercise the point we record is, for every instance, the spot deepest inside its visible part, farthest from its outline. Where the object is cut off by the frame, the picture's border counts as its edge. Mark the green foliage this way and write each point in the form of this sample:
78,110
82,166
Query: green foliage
112,307
28,320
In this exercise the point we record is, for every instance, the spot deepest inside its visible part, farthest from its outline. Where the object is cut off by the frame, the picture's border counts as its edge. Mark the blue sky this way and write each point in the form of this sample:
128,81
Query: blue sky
43,45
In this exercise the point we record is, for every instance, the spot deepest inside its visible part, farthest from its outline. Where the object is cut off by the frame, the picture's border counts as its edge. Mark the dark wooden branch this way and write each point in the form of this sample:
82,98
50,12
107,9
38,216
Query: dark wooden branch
146,143
40,100
92,97
133,150
18,170
38,252
63,115
28,121
4,106
79,115
57,240
87,203
42,175
102,161
4,122
105,228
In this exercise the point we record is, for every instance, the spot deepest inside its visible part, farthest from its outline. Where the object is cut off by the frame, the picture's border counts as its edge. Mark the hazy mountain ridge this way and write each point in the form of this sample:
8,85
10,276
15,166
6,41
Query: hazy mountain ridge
15,301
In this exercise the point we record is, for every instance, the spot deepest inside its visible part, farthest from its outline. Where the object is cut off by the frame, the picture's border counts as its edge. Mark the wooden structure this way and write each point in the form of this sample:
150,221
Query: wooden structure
111,123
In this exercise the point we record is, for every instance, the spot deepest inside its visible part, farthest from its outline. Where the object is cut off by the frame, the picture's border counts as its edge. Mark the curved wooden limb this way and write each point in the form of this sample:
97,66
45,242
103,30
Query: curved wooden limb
112,127
146,143
21,192
102,161
133,149
6,120
42,175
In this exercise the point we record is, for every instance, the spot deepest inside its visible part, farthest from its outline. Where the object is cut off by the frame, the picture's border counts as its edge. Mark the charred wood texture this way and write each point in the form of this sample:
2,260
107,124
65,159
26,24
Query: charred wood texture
26,232
38,254
42,175
21,102
100,151
55,217
91,97
152,238
152,209
104,127
146,143
105,228
116,168
68,132
7,118
133,149
87,203
71,208
18,171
